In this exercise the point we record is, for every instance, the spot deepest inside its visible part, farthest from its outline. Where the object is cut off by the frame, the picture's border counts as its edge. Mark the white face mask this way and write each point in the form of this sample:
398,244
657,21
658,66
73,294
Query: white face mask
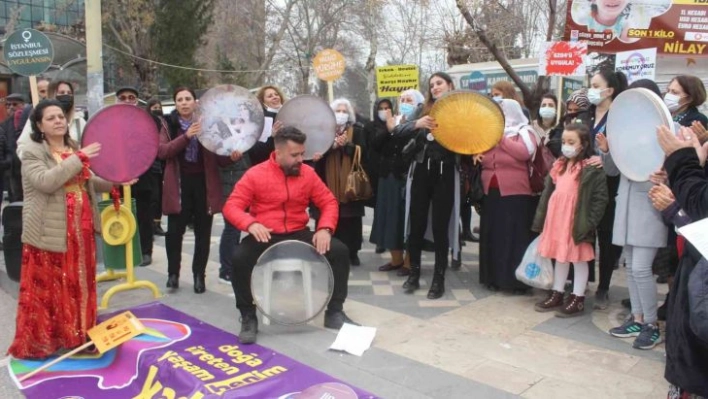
547,112
595,96
498,99
569,151
342,118
672,101
383,116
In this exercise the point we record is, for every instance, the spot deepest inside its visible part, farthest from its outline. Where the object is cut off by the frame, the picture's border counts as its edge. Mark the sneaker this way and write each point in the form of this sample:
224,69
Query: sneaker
224,278
249,328
630,328
336,319
602,300
649,337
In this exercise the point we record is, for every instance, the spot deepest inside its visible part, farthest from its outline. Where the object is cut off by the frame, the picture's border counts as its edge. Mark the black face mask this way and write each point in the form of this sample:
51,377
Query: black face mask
67,101
157,112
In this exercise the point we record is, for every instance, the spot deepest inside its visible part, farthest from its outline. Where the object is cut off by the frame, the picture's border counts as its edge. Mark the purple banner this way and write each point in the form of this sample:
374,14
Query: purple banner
183,358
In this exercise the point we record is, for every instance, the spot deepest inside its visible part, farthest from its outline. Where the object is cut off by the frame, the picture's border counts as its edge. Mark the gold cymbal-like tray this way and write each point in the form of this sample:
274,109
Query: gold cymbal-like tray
468,122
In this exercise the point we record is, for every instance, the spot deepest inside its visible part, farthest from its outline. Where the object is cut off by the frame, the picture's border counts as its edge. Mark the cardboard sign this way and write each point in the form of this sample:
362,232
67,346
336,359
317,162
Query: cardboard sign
637,64
392,80
329,65
28,52
678,27
562,59
115,331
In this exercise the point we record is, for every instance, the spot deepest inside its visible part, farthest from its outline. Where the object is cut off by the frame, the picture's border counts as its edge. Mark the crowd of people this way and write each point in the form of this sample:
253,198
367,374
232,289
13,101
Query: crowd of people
422,200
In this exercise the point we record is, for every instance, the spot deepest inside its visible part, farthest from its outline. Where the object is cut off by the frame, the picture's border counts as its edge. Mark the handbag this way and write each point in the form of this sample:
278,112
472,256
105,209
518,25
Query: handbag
358,184
539,168
476,189
535,270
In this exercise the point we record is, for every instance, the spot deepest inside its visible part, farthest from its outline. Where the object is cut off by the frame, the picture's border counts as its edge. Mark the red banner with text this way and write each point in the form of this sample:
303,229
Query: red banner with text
678,27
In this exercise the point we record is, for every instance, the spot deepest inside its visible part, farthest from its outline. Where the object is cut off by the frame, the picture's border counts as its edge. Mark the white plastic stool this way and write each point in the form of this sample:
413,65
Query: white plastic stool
284,266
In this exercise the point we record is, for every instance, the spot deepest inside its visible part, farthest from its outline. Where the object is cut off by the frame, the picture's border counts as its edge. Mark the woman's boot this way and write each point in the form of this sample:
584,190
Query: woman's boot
412,283
437,287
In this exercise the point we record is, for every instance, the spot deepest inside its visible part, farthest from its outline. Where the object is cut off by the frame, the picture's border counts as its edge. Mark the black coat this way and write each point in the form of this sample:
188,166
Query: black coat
692,114
260,152
686,354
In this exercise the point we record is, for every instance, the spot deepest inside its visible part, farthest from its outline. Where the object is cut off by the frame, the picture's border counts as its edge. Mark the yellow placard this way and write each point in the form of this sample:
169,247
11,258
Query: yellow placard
115,331
391,80
329,65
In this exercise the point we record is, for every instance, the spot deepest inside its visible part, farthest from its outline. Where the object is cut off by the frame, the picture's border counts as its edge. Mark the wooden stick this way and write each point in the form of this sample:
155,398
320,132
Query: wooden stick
33,89
55,361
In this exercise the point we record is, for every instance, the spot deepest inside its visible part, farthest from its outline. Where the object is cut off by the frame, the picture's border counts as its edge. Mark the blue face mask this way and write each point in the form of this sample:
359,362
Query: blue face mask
498,99
406,109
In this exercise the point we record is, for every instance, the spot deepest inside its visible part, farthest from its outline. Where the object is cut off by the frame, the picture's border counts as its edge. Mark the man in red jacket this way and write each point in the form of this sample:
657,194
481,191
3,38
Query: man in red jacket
277,193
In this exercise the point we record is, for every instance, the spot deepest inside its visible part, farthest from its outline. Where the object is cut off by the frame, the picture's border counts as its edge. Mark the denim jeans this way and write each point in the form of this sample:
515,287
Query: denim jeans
230,238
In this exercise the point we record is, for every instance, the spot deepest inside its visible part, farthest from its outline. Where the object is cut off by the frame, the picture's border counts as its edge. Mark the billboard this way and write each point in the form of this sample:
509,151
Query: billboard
678,27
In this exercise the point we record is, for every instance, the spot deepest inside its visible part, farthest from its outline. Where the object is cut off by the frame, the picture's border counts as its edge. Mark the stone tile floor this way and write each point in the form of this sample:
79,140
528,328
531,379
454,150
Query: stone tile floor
472,343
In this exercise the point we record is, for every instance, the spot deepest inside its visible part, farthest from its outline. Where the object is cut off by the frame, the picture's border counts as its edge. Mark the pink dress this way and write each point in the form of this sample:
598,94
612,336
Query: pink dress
557,237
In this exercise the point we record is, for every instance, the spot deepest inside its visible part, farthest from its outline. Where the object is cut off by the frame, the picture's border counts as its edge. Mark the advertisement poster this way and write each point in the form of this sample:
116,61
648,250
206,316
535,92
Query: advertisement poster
562,59
391,80
179,356
637,64
678,27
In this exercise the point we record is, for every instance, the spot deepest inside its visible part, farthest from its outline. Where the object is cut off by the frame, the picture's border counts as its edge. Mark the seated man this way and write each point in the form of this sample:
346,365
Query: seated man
277,193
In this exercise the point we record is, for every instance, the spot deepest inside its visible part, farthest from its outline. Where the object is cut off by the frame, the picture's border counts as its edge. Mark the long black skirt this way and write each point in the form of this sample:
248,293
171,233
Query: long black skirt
389,219
505,233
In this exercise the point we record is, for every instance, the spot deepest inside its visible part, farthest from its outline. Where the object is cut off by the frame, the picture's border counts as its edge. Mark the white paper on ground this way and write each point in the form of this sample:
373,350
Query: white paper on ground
267,128
697,234
354,339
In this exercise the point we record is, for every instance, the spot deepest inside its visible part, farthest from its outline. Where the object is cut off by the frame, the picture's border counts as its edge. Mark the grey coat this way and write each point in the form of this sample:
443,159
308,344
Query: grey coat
637,223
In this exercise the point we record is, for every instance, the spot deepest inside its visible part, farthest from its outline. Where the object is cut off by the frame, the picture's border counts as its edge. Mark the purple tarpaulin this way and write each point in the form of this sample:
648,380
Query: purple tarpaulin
183,358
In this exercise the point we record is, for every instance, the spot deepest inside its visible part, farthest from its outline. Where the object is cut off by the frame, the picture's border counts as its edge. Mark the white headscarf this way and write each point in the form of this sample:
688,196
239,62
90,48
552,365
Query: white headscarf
418,97
516,122
336,103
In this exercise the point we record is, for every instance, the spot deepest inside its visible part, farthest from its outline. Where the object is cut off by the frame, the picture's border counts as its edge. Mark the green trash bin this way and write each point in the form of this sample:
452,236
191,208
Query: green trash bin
114,255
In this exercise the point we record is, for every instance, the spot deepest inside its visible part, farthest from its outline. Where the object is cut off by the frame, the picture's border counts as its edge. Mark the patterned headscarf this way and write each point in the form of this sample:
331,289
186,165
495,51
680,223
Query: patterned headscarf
580,98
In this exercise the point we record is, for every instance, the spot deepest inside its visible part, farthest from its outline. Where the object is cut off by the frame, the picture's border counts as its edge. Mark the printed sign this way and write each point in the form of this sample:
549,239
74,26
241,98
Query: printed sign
678,27
329,65
562,59
392,80
637,64
178,356
28,52
481,81
115,331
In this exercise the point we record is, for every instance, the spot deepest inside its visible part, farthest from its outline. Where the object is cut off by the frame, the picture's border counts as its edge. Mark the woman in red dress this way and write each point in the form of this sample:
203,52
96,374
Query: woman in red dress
57,303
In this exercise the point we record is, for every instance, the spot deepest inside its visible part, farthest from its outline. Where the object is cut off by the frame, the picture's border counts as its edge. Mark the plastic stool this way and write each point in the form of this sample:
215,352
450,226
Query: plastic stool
284,266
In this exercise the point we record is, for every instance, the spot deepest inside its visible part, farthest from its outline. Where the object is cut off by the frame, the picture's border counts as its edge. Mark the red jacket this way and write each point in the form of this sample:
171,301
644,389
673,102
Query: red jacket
280,202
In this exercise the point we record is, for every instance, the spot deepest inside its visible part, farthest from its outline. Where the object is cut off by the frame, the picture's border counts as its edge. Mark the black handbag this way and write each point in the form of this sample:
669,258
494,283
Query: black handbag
476,189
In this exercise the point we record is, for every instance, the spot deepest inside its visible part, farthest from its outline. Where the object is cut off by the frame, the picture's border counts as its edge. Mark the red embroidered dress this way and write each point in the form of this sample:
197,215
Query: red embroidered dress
57,303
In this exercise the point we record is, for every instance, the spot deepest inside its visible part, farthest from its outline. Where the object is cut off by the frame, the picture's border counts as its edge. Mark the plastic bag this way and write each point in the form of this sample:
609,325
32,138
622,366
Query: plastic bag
535,270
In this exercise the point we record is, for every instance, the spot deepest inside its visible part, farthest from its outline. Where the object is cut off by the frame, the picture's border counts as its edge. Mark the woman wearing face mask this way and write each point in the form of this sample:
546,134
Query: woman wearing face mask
508,204
570,209
387,231
191,188
547,123
684,95
272,99
605,86
409,104
334,168
434,179
576,107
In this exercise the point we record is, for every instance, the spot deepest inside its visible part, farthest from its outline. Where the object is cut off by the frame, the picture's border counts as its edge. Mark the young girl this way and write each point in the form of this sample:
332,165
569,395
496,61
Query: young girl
574,200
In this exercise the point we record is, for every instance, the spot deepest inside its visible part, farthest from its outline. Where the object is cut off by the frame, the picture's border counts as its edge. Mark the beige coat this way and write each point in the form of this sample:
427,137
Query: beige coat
44,209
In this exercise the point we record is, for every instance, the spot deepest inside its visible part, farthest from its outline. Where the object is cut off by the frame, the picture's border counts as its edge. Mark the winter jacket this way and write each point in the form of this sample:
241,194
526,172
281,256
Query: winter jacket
590,206
44,209
386,148
686,354
280,202
173,142
689,116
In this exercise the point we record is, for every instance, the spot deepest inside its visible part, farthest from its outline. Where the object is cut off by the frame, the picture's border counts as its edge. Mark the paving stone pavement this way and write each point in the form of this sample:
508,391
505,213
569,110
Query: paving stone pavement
472,343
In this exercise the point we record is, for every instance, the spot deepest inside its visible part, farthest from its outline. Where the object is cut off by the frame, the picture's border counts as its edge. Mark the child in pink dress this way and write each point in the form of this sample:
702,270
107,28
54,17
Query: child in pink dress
570,208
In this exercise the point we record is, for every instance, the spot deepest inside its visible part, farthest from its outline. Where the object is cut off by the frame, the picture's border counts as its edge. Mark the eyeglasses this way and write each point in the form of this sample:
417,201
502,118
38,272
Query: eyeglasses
127,98
8,105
